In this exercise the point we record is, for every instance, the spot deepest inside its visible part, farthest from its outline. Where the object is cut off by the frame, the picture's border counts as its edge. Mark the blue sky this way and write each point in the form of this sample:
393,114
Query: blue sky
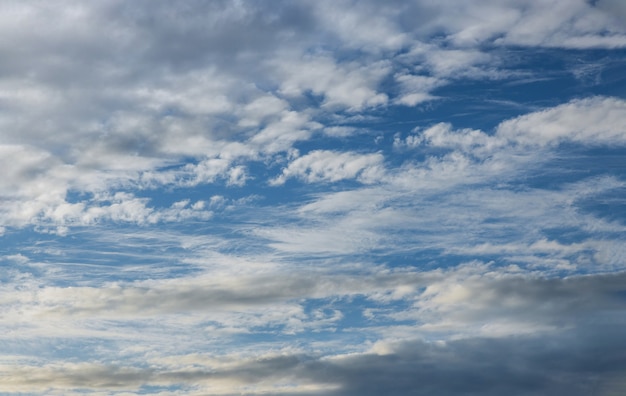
327,198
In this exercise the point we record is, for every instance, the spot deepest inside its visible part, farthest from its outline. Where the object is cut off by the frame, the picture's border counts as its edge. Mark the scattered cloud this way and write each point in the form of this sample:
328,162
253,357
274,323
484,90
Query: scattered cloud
322,197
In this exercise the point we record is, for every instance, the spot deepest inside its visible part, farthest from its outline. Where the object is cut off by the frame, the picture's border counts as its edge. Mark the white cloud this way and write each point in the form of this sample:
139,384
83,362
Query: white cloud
330,166
340,131
365,26
456,63
615,8
262,109
237,176
557,23
597,120
442,135
282,133
475,211
346,85
579,25
590,121
472,310
416,89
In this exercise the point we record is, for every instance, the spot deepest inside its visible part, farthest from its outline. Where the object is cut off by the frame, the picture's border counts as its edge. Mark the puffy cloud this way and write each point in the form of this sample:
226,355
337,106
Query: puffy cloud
364,26
348,85
442,135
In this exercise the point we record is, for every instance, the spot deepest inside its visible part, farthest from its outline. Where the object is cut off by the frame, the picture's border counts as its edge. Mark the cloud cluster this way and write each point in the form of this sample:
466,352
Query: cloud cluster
113,95
461,196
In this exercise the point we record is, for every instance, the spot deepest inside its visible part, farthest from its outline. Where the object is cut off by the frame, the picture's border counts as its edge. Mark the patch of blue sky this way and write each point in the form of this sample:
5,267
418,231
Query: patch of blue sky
610,205
88,257
570,163
58,349
323,341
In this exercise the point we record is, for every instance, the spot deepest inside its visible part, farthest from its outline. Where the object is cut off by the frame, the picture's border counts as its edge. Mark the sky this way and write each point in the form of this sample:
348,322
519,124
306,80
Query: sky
325,197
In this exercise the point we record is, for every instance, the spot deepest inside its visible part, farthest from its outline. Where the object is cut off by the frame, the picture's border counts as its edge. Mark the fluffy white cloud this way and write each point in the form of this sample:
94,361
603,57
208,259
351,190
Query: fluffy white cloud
347,85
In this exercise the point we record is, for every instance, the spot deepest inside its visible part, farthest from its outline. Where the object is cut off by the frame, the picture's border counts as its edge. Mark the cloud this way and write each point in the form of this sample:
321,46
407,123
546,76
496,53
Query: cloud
416,89
519,366
456,176
329,166
473,304
497,304
614,8
365,26
590,121
466,301
562,24
598,120
442,135
214,291
346,85
158,92
572,363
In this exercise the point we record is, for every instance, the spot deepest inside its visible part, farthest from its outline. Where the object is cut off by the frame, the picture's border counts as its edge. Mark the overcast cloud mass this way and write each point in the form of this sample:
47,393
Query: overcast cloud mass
331,198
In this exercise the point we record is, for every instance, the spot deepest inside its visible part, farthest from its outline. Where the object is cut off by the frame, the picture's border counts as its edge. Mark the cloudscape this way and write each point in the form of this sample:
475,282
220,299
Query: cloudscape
327,197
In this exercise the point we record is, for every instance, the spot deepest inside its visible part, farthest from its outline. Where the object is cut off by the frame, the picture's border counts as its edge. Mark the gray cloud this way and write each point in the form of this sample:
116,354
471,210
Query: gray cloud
571,363
567,364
